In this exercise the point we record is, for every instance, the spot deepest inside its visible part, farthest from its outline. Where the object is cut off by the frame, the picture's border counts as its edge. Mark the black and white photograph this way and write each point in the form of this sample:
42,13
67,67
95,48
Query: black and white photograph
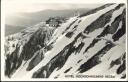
63,40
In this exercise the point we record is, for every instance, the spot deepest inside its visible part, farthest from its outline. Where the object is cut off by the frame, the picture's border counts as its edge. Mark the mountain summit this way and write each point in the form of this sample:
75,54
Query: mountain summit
89,44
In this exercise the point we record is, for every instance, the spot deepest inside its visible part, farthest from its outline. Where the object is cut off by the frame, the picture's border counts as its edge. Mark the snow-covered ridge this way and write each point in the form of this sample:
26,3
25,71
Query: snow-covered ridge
81,45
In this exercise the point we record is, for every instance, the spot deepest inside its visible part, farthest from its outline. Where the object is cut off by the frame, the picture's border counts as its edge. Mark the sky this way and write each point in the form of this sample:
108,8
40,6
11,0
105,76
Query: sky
14,6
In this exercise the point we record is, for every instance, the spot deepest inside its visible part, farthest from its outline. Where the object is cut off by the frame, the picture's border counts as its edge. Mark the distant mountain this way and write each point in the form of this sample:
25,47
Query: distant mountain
19,21
92,45
11,29
29,19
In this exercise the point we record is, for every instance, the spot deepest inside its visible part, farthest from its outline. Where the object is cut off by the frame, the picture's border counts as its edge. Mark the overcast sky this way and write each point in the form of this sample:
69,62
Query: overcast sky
32,7
13,6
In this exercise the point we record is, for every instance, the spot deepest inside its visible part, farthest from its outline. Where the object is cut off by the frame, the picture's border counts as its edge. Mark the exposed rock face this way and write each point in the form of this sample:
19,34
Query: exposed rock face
83,45
30,48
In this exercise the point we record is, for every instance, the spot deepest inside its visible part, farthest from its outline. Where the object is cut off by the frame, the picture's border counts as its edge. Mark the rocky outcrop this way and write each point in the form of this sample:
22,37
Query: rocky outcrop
80,46
60,59
37,40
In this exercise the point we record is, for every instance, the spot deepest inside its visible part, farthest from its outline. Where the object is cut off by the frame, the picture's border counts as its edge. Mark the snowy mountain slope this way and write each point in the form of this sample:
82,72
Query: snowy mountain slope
26,41
85,44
